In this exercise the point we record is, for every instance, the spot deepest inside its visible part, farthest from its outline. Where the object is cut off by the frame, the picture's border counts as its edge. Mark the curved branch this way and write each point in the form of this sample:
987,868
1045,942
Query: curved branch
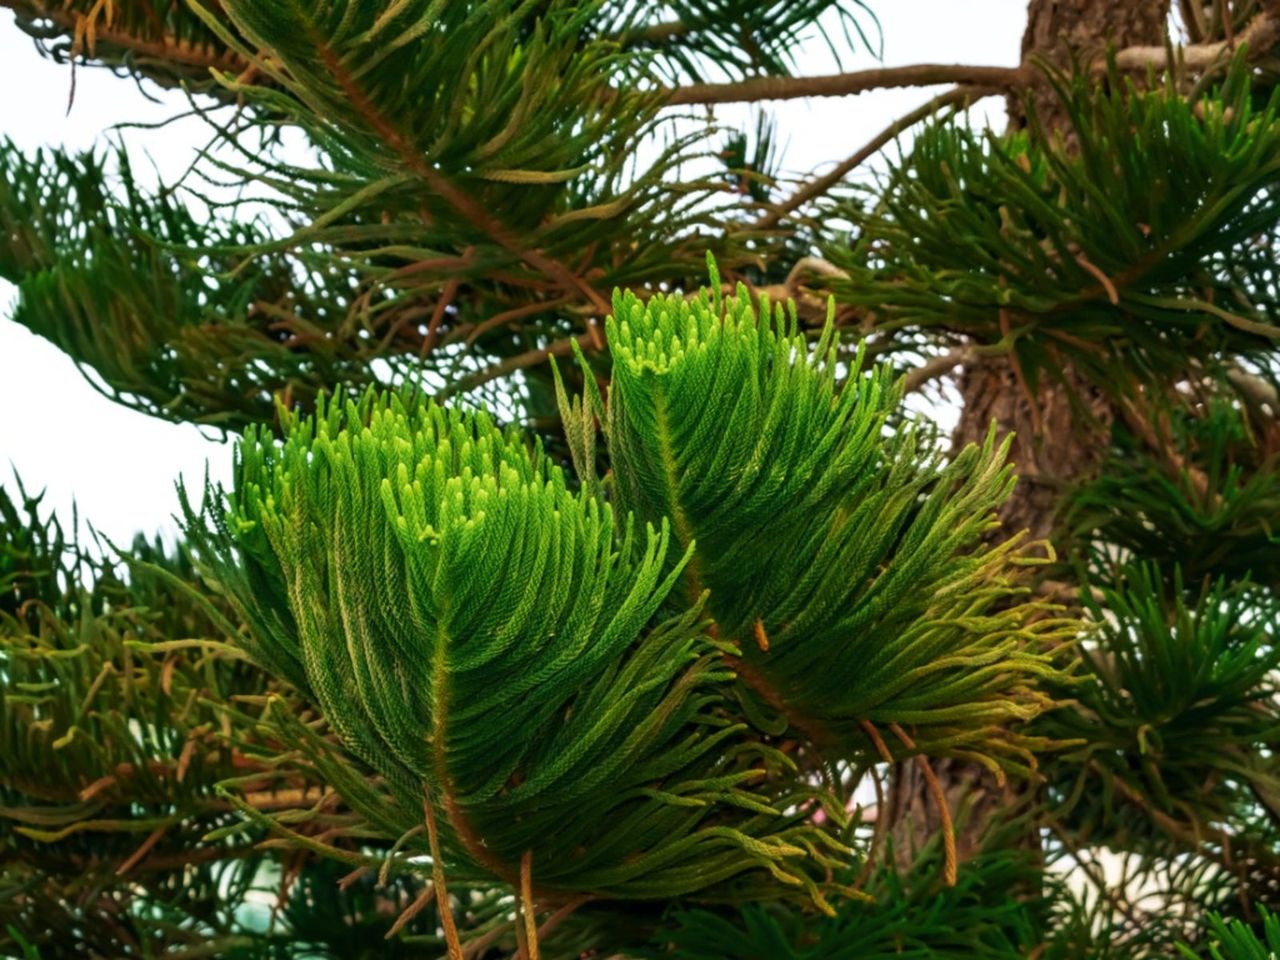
916,378
820,185
1262,33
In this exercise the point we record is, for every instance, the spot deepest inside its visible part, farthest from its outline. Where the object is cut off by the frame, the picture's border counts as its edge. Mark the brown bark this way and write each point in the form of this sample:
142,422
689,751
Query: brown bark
1058,29
1060,432
1059,435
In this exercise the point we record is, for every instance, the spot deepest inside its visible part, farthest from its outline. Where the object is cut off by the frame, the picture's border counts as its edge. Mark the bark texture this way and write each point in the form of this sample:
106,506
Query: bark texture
1058,29
1060,433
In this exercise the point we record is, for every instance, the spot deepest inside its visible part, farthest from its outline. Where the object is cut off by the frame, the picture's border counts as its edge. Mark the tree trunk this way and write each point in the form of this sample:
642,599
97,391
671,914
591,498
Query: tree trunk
1060,434
1057,30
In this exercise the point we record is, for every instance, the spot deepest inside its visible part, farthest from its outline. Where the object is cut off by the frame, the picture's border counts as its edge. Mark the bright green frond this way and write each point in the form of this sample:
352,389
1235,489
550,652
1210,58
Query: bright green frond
485,639
843,557
1234,940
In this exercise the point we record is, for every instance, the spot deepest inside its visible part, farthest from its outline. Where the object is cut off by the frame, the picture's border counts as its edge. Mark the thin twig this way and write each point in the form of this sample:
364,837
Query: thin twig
438,881
152,839
419,904
916,378
1093,872
820,185
527,906
522,361
560,916
940,800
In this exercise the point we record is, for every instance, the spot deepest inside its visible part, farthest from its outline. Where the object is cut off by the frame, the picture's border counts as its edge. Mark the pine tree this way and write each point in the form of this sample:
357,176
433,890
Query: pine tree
588,567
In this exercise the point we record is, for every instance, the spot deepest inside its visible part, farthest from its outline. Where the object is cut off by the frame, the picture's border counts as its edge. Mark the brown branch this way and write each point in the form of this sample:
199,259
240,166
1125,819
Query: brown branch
847,84
1259,391
521,361
528,909
462,202
940,801
655,34
936,367
820,185
440,886
152,839
1141,422
1262,33
1094,873
166,48
419,904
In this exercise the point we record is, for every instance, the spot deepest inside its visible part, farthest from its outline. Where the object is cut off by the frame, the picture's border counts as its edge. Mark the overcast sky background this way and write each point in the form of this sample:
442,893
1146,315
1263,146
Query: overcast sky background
59,434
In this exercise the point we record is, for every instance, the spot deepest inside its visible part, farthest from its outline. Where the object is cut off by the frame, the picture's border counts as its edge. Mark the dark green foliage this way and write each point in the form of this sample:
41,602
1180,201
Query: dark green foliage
481,175
909,918
1127,254
691,38
104,742
33,557
1233,940
1178,716
650,694
1206,499
114,737
120,281
474,196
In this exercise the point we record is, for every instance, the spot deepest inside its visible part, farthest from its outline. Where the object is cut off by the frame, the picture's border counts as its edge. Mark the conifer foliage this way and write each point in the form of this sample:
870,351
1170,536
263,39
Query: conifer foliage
568,602
501,648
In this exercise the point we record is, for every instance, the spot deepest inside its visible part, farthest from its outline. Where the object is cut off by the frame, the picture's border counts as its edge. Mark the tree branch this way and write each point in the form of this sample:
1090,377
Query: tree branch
462,202
1262,33
913,380
1258,390
820,185
530,358
163,48
846,84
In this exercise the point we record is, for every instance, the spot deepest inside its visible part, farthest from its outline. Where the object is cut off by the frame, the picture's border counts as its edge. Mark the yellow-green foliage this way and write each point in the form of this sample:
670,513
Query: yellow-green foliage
494,643
842,555
517,654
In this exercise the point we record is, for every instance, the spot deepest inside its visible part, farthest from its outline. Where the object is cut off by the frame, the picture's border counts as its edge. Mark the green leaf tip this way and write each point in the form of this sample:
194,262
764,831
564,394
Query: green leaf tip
481,635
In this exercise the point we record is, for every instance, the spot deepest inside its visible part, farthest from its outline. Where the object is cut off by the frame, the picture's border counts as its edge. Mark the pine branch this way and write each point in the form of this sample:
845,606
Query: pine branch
1024,244
936,367
520,687
846,84
459,200
729,422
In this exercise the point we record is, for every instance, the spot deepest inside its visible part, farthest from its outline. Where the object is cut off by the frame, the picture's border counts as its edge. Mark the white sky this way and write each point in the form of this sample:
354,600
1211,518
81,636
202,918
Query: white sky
120,466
